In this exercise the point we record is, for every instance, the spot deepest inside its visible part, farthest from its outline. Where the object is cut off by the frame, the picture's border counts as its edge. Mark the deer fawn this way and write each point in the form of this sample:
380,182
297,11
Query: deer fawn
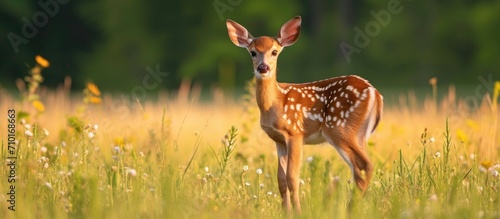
342,111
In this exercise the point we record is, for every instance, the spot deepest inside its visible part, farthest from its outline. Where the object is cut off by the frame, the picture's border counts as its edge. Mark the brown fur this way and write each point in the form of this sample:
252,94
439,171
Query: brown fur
264,43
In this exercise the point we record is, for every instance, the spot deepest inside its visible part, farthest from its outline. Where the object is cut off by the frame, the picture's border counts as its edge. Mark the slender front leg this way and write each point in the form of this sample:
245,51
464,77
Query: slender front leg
282,165
293,170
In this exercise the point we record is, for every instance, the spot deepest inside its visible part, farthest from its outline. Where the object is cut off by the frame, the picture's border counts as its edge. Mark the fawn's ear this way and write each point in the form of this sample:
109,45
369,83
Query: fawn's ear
289,32
238,34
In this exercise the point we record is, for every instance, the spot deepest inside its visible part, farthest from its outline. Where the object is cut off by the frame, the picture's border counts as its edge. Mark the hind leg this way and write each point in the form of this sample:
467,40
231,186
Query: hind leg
354,155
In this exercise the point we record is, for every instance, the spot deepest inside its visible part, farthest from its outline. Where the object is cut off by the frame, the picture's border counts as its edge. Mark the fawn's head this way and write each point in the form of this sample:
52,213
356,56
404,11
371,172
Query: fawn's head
264,50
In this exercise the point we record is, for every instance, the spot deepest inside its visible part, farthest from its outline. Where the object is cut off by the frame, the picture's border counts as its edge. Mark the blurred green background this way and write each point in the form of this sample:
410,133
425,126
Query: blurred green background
112,42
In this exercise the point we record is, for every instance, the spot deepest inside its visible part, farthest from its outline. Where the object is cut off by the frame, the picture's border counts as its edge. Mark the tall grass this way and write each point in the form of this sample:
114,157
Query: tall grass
164,158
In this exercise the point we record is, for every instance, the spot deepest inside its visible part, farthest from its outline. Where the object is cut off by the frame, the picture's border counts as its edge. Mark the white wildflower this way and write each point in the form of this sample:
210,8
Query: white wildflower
259,171
494,173
483,169
245,168
437,155
46,132
432,140
96,127
43,149
131,172
27,126
309,159
48,185
206,169
28,133
472,156
90,135
261,185
46,165
433,197
336,178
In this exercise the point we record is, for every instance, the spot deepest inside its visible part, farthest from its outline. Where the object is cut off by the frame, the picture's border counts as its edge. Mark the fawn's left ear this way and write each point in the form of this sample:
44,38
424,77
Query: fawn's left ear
289,32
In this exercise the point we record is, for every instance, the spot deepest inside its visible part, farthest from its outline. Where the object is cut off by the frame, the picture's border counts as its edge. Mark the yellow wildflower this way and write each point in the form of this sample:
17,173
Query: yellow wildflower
486,164
472,124
39,106
433,81
95,100
496,93
462,136
42,61
36,70
93,89
119,141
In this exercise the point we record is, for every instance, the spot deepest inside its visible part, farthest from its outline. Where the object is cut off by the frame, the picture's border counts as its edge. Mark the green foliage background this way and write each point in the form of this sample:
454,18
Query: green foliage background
112,42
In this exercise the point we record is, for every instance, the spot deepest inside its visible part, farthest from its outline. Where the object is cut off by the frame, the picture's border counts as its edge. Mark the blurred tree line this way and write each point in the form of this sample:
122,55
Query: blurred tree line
390,42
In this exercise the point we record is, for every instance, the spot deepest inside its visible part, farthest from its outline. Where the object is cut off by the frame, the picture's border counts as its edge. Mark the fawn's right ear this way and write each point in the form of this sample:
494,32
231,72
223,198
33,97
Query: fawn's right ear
238,34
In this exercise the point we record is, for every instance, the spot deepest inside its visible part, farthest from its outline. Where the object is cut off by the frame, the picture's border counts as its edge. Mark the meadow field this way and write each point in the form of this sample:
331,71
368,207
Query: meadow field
102,155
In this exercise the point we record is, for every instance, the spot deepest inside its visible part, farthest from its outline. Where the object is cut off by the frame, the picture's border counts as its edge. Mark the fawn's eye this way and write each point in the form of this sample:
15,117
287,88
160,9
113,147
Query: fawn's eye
274,53
253,54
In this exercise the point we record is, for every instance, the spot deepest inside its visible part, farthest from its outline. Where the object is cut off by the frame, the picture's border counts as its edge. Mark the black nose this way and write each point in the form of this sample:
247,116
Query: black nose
263,68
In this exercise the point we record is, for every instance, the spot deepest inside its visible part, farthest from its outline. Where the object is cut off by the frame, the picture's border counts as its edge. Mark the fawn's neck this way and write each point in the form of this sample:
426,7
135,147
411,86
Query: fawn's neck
267,92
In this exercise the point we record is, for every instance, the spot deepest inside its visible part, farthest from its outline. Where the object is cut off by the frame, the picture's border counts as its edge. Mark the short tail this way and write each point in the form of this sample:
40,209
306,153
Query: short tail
379,107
